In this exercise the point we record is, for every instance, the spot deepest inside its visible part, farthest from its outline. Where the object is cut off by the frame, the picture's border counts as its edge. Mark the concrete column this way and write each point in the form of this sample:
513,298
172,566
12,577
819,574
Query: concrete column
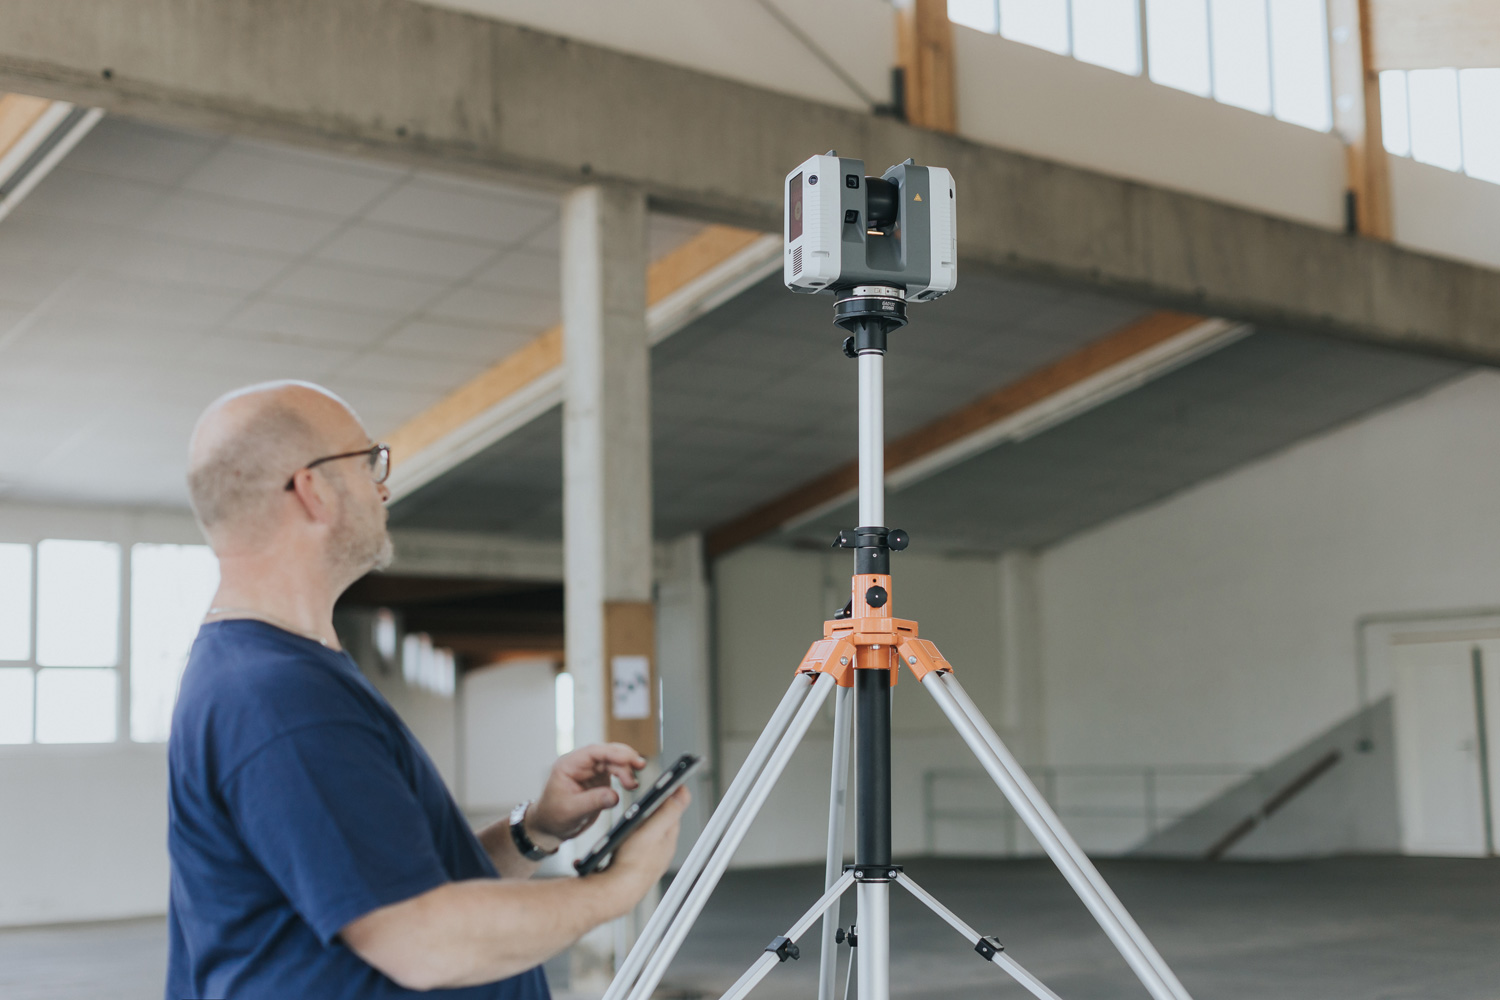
607,552
682,652
1021,705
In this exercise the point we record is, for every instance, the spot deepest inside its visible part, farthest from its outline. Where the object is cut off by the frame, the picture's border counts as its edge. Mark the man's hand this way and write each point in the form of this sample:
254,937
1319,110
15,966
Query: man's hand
642,859
578,790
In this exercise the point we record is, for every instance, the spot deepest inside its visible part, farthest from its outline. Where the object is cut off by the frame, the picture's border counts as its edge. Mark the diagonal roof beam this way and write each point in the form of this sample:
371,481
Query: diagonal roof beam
35,135
705,271
1096,373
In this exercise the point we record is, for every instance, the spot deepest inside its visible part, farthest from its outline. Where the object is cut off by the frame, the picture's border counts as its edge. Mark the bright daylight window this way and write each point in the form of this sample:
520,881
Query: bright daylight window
1447,118
170,589
64,687
77,627
1269,56
15,602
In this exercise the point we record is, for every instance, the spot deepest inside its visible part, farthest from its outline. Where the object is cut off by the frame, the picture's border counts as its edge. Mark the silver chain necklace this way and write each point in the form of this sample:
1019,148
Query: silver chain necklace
242,613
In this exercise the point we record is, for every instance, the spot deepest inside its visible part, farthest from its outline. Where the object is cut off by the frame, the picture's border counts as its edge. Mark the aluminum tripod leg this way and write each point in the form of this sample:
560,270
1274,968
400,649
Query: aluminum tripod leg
739,825
771,959
874,951
698,857
838,789
1038,816
1012,968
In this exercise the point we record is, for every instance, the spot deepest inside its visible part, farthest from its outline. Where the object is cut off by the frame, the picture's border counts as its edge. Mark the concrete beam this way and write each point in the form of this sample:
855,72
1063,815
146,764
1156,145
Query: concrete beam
403,81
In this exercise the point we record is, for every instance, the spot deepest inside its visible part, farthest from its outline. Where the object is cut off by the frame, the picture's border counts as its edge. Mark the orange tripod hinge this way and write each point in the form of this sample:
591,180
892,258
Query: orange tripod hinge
870,639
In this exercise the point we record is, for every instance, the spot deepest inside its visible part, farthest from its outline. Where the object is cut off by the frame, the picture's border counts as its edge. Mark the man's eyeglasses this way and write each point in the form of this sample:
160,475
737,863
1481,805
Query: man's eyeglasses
378,457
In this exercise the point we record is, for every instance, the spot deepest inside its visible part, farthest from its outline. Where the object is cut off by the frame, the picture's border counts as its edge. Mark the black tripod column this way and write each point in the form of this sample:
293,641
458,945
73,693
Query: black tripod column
872,706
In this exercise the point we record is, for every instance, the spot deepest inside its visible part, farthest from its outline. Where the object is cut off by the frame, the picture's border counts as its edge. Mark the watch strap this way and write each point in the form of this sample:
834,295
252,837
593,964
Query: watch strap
518,836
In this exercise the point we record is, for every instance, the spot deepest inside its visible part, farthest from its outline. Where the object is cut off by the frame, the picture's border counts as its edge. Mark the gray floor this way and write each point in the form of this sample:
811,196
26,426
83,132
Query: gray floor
1365,928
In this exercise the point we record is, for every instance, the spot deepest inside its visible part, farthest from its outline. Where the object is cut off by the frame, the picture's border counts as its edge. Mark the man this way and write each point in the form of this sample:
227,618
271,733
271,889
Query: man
316,854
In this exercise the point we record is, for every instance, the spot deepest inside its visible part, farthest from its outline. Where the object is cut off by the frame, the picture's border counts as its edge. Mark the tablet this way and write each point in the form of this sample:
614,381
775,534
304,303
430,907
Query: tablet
640,810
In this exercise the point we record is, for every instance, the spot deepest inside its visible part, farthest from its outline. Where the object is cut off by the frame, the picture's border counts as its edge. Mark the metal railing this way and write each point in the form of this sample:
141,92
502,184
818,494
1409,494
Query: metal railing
1140,800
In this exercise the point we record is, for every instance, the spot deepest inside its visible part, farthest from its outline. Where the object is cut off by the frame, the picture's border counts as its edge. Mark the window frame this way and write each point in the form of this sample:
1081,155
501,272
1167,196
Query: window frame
125,527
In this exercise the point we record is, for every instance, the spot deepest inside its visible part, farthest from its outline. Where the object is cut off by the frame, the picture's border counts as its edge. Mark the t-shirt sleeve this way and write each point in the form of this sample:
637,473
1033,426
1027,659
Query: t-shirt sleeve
328,814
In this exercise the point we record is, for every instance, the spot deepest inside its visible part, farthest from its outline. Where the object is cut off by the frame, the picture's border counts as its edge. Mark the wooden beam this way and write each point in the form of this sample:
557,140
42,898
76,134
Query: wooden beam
1079,381
1429,34
18,113
1356,117
522,371
924,51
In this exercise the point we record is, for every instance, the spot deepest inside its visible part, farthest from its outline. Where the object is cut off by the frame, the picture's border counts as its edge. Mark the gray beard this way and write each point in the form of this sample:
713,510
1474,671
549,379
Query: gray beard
361,545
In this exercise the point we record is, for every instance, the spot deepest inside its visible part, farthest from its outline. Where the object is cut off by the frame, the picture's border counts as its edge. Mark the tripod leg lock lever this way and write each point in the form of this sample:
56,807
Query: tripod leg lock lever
784,948
988,947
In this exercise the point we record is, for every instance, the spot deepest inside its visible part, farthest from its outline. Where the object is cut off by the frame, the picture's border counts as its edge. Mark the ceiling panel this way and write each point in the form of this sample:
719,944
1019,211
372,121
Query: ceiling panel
155,269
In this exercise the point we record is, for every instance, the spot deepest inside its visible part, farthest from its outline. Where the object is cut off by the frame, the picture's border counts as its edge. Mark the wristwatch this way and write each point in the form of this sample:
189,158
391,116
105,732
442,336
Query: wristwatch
523,843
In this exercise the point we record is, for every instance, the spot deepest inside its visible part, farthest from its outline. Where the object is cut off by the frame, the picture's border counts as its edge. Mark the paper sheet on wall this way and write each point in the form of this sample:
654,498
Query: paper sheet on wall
631,677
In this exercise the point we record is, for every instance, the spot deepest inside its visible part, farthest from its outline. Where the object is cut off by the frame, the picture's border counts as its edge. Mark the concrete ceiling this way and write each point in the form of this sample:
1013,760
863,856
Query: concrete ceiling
155,269
1244,402
756,399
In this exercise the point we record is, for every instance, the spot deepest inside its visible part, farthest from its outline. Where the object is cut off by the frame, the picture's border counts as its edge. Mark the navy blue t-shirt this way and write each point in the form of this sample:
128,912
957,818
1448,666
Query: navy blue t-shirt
299,802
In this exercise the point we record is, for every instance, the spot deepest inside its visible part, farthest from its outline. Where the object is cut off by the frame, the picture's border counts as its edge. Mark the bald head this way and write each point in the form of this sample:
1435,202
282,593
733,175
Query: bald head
247,444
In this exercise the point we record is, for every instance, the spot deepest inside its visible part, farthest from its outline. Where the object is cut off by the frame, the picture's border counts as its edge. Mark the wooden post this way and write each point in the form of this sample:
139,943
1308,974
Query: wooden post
1356,116
924,51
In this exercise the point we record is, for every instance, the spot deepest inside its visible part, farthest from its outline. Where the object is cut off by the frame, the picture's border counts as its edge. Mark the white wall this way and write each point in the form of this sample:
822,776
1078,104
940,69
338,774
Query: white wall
509,715
1445,213
83,829
1219,625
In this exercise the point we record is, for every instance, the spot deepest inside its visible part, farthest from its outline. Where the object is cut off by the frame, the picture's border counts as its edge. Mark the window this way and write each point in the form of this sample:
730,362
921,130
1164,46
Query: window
1447,118
1106,34
1479,120
1268,56
1301,91
981,15
1043,23
171,587
76,705
15,704
77,604
564,702
60,637
426,666
15,602
1241,56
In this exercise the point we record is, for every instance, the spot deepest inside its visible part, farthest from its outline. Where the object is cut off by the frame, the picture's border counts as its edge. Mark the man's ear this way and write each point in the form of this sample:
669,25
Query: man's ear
312,493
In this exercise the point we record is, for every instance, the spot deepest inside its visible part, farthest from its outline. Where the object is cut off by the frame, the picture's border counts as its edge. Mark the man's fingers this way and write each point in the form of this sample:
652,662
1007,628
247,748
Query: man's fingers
672,809
618,755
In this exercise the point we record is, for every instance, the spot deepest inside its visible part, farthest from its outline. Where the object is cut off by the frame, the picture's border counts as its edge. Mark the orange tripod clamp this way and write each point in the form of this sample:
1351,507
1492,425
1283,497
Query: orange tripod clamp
871,639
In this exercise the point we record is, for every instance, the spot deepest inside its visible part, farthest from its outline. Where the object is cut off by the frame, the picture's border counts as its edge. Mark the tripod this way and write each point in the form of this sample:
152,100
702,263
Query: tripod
858,657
